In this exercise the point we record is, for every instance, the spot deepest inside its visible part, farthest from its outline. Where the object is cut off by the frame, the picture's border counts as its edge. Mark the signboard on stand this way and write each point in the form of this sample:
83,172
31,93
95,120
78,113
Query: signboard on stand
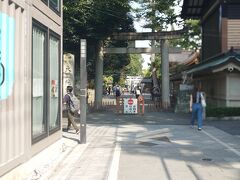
130,106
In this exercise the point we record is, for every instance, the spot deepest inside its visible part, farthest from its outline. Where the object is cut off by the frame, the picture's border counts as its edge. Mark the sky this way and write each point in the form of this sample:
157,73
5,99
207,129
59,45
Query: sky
138,26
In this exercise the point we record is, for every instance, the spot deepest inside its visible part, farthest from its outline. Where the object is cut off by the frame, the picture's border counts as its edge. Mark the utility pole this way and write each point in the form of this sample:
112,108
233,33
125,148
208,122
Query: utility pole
83,90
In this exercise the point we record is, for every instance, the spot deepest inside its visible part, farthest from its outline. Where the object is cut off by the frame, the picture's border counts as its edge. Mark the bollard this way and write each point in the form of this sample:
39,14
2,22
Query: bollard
141,105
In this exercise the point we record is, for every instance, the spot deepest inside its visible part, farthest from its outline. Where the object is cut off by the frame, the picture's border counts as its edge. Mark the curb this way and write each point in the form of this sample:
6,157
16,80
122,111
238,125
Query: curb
229,118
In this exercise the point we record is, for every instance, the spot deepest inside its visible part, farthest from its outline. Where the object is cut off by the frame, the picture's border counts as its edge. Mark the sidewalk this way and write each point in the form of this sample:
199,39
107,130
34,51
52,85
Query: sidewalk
153,146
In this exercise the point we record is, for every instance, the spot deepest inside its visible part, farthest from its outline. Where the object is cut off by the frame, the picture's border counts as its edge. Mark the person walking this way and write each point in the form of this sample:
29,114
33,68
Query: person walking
196,107
71,111
137,91
109,90
118,91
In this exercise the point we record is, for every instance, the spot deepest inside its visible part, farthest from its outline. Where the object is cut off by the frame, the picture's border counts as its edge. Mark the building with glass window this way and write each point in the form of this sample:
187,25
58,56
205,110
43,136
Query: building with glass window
30,80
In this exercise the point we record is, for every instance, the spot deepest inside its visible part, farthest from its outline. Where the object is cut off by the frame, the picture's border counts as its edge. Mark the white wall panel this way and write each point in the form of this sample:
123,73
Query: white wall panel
12,108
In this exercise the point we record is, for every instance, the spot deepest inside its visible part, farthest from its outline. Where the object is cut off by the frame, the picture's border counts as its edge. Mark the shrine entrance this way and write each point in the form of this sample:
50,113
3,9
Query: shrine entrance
163,37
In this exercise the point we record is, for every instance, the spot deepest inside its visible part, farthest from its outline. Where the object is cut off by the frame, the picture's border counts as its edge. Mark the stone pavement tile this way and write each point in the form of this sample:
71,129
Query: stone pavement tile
191,150
182,175
212,172
179,159
87,178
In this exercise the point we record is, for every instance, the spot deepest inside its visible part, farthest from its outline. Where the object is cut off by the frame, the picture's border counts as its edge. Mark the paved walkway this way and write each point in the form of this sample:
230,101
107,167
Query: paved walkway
151,147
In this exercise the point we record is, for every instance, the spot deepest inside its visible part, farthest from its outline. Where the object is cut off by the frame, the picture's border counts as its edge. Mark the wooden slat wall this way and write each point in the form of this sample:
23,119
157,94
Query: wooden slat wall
233,33
12,122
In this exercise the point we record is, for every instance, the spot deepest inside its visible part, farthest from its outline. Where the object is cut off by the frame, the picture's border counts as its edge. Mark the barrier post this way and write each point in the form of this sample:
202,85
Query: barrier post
141,105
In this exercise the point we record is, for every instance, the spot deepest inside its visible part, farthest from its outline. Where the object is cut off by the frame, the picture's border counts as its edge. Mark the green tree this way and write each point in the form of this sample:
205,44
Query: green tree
191,39
94,20
147,73
107,80
159,15
134,68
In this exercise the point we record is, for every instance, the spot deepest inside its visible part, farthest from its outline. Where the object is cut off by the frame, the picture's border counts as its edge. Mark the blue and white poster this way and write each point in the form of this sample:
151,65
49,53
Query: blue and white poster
7,30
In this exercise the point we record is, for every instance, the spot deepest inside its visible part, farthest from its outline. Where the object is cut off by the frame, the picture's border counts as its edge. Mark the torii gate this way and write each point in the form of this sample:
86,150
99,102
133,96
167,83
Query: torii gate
132,36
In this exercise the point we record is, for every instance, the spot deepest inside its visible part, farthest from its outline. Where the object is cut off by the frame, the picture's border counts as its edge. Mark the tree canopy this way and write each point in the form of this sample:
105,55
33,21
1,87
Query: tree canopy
134,68
157,13
94,20
191,39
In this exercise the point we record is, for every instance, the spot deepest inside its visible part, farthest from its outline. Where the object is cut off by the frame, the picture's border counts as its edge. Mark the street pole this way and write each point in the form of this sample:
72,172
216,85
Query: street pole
83,90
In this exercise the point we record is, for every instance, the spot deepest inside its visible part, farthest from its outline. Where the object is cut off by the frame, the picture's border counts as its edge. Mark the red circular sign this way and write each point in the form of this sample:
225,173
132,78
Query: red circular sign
130,101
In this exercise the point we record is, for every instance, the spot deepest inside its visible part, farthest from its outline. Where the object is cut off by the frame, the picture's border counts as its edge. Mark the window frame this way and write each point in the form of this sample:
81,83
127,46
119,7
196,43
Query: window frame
46,70
43,28
49,4
58,37
57,11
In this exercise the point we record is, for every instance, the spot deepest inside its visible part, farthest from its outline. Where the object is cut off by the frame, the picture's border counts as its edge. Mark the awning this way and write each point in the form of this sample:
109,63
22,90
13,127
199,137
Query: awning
216,62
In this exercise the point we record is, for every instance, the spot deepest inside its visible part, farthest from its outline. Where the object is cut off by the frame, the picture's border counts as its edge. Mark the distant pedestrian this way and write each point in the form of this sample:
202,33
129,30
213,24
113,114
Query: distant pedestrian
196,107
114,89
118,91
109,90
70,103
137,91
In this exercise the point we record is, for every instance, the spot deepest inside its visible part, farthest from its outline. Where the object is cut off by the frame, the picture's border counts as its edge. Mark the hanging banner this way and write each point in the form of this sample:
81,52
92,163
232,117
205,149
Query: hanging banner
7,31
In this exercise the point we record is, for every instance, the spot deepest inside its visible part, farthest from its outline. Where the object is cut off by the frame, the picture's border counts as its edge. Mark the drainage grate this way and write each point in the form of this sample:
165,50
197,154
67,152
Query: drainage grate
147,144
162,138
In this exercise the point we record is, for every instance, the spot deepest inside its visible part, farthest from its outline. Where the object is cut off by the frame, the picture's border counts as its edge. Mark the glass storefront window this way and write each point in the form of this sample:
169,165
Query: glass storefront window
54,82
38,54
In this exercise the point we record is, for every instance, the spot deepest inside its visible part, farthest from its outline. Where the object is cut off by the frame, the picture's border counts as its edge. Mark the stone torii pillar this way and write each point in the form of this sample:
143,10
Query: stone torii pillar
165,74
99,76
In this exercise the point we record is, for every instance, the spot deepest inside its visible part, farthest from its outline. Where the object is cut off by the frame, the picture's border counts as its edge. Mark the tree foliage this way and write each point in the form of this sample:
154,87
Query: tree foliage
134,68
192,38
94,20
158,14
147,73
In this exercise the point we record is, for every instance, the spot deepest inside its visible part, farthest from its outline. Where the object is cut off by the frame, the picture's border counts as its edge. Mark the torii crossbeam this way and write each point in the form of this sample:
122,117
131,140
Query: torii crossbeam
132,36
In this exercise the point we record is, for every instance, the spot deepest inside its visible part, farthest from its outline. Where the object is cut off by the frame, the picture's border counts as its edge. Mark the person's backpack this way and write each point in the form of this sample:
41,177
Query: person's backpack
74,103
118,93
